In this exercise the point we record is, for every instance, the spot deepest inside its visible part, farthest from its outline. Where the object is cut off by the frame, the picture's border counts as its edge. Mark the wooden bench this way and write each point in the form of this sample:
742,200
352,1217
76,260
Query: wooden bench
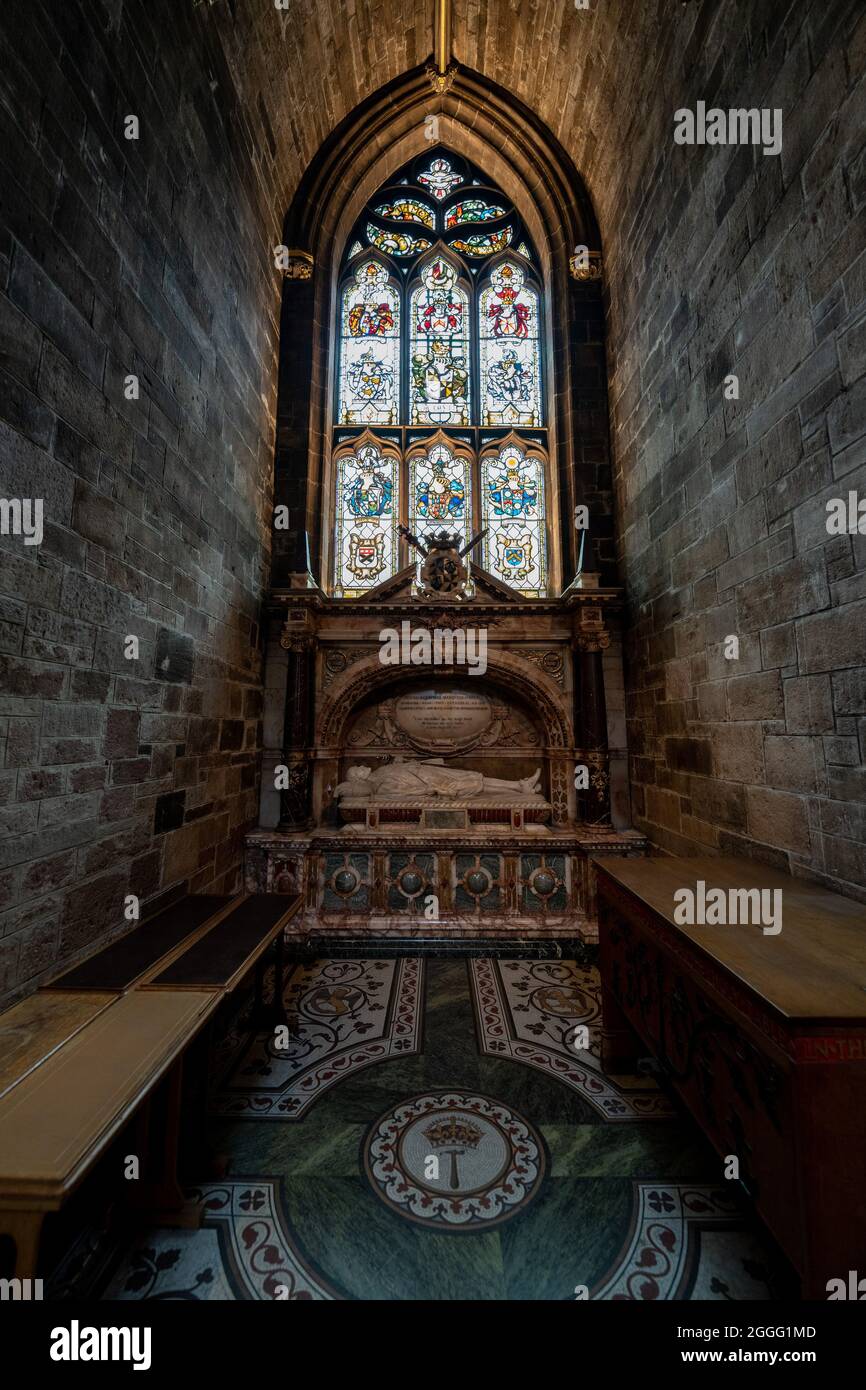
152,944
58,1120
115,1040
30,1032
232,948
763,1036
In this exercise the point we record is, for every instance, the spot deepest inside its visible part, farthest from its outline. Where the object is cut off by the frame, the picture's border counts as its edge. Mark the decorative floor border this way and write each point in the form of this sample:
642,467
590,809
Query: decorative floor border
499,1035
257,1082
661,1256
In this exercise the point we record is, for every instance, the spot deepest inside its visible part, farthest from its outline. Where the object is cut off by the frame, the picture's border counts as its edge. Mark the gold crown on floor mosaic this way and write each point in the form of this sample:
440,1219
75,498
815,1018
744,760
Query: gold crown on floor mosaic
452,1130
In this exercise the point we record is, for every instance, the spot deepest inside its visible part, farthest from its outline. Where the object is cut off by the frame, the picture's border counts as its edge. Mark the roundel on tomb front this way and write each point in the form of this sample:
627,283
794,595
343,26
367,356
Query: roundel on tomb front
454,1161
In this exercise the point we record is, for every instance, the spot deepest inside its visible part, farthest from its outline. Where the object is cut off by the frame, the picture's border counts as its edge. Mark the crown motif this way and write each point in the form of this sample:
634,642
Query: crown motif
451,1131
443,540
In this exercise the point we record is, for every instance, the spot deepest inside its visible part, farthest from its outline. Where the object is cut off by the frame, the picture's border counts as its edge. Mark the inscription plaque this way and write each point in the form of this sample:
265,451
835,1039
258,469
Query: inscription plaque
445,820
443,719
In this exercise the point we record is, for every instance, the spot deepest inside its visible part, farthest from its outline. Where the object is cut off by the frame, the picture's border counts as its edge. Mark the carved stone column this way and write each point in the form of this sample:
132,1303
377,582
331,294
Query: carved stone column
291,459
298,639
591,638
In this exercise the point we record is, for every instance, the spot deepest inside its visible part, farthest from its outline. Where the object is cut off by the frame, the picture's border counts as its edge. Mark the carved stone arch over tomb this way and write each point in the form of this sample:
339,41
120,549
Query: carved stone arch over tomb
526,680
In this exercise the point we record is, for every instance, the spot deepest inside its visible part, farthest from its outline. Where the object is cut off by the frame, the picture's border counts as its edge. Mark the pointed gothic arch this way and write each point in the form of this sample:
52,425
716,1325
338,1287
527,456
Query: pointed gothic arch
489,127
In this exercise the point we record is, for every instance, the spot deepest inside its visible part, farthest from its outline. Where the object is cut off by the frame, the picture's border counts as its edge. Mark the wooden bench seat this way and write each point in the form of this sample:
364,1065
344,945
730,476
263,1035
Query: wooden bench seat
82,1061
762,1035
230,949
120,965
56,1122
30,1032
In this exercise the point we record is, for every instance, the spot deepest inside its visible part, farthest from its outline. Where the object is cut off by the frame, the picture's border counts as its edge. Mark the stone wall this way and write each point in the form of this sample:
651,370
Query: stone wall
721,260
725,261
718,260
152,257
149,258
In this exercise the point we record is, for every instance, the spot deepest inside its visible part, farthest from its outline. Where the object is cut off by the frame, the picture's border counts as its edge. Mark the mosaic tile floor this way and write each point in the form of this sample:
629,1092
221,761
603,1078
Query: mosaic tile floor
429,1131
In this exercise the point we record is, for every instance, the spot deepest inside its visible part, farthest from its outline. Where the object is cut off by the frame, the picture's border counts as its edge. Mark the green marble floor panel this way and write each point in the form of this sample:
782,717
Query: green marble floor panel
371,1253
571,1235
630,1151
532,1191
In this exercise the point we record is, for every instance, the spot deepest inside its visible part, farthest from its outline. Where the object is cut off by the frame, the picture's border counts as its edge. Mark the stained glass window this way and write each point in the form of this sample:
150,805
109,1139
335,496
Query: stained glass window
512,511
367,516
370,349
440,490
439,348
440,340
483,243
406,210
472,210
440,179
397,243
509,349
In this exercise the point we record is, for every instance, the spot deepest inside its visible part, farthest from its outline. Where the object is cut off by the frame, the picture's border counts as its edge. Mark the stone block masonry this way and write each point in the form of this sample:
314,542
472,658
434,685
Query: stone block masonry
152,258
719,260
117,258
770,258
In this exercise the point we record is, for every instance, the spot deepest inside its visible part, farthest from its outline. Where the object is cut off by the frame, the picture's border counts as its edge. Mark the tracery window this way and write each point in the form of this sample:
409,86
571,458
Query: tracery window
440,365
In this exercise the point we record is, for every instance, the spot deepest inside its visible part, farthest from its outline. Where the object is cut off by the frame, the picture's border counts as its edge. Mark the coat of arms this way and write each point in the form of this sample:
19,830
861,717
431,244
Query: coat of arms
441,571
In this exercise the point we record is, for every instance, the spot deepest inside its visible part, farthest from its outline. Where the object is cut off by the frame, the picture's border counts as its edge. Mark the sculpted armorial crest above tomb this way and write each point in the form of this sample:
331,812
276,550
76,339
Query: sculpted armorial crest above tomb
442,571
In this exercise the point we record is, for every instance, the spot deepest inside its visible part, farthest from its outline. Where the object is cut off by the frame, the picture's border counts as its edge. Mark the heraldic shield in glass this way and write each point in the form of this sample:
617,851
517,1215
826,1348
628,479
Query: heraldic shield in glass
439,492
509,349
512,503
439,387
367,513
370,343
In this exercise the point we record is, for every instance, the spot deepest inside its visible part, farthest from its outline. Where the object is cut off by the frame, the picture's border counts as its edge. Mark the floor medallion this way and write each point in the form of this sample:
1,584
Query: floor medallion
453,1160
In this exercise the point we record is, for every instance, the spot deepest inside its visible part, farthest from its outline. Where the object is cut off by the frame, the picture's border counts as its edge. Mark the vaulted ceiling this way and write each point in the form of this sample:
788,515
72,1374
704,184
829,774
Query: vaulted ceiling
588,74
